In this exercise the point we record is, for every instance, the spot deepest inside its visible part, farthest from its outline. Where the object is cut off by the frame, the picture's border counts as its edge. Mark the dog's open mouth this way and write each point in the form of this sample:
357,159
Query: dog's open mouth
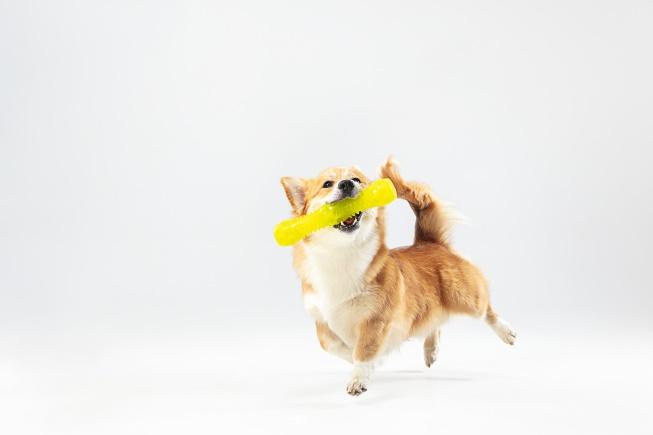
349,224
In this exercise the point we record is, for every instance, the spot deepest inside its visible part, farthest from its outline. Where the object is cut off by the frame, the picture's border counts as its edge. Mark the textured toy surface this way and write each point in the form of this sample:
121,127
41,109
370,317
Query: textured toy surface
377,194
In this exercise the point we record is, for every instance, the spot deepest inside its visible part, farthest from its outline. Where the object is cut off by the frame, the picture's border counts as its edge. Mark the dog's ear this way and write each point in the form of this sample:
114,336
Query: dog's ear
295,191
360,174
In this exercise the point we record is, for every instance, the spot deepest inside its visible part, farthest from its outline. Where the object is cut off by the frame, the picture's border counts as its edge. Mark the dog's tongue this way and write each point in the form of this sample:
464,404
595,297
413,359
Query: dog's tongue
349,221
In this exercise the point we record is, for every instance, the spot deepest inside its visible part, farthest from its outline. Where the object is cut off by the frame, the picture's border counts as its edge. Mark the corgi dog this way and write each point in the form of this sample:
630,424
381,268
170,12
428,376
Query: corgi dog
367,299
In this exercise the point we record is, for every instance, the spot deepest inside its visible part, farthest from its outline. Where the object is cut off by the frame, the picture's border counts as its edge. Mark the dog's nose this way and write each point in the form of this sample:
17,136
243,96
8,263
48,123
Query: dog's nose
346,186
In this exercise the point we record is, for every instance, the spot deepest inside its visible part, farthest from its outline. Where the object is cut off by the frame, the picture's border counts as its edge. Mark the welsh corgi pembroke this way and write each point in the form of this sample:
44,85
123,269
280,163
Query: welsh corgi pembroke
367,299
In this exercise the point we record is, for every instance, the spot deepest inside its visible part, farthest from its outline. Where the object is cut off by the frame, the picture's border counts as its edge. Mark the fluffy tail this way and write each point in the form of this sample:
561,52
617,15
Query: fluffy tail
433,221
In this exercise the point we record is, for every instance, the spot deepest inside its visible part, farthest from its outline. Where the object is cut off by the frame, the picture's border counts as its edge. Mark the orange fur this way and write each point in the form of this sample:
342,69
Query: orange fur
399,293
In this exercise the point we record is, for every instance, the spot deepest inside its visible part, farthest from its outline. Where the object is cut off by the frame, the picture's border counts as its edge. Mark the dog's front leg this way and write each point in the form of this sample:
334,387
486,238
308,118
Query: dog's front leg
371,335
332,343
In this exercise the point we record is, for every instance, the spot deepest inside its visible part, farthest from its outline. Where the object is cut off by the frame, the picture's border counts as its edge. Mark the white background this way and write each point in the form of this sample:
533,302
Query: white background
141,144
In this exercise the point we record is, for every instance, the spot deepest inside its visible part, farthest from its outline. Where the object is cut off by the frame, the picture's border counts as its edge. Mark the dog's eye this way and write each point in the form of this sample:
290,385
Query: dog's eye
356,179
327,184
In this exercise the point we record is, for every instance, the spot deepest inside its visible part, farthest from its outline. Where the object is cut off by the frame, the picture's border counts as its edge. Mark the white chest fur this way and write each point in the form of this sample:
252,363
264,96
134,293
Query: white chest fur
336,273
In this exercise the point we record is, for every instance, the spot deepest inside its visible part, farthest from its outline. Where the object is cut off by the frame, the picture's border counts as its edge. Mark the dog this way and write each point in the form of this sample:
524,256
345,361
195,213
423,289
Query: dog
367,299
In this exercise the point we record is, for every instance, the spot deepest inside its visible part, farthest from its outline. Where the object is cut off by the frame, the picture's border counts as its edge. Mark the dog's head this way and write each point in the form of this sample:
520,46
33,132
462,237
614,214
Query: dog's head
308,194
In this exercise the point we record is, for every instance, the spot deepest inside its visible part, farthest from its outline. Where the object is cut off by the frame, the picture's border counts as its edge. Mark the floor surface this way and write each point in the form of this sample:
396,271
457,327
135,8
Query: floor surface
282,382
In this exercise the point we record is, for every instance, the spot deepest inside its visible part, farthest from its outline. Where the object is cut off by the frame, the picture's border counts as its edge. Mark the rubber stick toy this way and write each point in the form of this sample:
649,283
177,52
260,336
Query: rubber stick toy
379,193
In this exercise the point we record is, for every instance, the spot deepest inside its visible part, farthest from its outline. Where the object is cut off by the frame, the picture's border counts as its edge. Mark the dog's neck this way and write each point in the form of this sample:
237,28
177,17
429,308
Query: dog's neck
336,266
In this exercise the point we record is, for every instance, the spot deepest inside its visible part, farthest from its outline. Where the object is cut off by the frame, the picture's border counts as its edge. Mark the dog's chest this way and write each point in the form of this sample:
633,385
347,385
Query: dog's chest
337,278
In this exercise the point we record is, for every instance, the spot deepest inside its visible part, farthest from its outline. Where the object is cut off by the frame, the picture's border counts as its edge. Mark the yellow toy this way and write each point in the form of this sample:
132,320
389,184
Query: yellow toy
377,194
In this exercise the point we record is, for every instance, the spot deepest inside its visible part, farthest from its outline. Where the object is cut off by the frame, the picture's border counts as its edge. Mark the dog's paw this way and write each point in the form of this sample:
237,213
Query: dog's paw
430,356
356,387
505,331
510,337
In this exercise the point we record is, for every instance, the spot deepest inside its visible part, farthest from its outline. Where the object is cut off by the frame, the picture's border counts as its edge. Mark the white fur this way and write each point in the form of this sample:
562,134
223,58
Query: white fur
340,349
504,331
311,305
336,264
360,376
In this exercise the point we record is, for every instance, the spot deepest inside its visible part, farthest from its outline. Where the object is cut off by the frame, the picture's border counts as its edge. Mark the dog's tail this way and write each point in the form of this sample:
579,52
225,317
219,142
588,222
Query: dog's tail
433,221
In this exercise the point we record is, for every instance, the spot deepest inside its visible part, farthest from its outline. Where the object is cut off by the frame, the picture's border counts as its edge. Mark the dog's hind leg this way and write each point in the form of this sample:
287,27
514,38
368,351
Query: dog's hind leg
500,326
431,347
